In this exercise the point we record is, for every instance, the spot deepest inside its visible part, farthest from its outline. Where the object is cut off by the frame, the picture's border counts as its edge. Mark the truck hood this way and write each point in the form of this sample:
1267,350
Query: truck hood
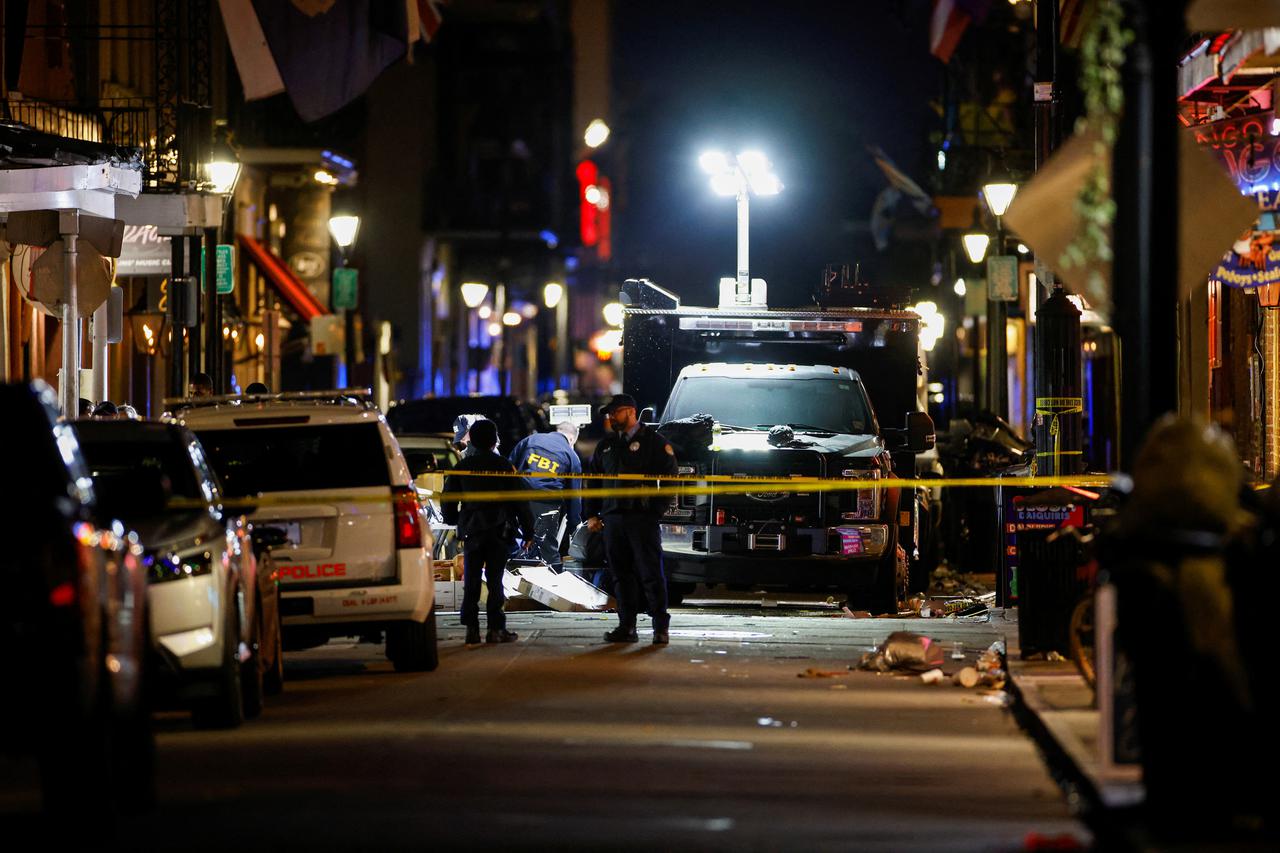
852,446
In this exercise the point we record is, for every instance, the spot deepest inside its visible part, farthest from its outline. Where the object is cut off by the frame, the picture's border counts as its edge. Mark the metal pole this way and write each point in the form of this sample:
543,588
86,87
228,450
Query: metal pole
562,341
194,332
69,390
177,319
997,353
1146,226
212,312
744,219
98,335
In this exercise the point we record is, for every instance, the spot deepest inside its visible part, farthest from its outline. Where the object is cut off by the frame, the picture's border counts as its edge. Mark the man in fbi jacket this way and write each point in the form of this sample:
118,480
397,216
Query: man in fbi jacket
633,542
550,458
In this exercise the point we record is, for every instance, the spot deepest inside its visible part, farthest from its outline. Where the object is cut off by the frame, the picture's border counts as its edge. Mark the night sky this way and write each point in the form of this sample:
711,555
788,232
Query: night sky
810,83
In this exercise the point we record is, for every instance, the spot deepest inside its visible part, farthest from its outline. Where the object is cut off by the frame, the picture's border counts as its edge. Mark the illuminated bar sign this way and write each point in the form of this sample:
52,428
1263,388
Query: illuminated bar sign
1249,152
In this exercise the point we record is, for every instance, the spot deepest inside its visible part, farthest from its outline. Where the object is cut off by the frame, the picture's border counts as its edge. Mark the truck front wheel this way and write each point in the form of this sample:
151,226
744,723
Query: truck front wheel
890,587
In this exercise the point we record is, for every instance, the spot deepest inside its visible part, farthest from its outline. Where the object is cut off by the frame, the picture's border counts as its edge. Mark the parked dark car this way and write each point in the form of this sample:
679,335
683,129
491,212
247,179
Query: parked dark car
72,621
435,416
215,618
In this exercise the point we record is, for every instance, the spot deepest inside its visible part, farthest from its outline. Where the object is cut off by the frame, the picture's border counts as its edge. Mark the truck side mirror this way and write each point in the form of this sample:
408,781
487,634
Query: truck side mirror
648,415
920,434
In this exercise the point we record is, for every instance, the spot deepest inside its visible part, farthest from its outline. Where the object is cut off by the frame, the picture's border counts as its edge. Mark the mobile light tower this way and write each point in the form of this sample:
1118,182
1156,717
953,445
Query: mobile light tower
741,176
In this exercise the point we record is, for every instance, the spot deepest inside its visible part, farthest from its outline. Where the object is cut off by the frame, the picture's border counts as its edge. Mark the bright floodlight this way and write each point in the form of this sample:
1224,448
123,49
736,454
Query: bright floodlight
613,313
975,246
344,229
999,196
596,134
511,318
753,163
767,184
714,162
473,293
960,287
724,183
552,294
932,324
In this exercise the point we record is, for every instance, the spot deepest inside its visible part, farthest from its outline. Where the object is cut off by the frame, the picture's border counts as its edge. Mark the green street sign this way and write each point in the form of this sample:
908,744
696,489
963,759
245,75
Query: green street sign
226,260
346,288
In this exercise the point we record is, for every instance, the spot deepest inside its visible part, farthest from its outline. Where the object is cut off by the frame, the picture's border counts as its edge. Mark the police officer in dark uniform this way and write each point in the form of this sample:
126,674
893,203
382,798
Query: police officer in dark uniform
632,538
487,530
551,455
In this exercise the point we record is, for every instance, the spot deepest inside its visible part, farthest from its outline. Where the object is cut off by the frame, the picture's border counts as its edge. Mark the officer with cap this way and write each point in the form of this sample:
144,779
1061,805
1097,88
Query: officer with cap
551,458
487,529
633,541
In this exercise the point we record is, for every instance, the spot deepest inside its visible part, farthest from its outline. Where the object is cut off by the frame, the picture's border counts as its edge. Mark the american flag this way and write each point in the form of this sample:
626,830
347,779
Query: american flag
948,20
425,18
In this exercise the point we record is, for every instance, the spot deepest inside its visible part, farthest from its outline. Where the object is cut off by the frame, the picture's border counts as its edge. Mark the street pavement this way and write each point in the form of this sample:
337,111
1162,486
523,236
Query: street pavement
559,741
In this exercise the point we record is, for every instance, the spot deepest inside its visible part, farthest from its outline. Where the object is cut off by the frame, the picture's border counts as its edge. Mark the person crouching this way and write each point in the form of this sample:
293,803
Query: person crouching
487,529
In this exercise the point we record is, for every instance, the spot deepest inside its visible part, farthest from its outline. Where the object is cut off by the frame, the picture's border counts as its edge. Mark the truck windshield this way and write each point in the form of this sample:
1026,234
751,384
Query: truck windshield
816,404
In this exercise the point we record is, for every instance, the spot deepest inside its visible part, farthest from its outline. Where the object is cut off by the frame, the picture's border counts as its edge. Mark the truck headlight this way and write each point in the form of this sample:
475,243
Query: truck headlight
172,567
866,499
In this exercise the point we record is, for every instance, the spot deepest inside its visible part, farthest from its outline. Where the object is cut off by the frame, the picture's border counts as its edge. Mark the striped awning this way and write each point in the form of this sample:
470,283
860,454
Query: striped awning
289,286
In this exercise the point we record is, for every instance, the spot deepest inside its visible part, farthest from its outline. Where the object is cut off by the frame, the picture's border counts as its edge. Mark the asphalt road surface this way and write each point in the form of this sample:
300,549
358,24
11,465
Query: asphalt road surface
560,741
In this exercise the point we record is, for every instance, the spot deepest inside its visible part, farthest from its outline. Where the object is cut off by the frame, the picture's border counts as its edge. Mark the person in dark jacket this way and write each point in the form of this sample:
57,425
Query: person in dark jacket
487,529
632,537
551,456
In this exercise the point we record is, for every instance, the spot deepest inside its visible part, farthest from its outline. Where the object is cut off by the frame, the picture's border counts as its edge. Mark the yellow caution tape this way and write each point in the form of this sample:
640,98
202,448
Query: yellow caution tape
670,487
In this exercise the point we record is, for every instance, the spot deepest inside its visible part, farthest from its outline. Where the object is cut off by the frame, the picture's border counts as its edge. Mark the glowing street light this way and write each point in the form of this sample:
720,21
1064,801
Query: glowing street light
749,173
473,293
552,294
344,228
999,195
596,134
511,318
613,313
975,246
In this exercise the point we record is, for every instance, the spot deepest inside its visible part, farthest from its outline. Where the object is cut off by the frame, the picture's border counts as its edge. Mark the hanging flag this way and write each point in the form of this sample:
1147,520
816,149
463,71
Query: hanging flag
258,72
425,18
1073,19
949,20
898,179
324,54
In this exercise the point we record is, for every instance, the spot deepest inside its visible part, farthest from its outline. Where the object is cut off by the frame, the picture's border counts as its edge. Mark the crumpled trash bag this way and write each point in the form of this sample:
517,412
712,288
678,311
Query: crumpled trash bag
690,437
904,650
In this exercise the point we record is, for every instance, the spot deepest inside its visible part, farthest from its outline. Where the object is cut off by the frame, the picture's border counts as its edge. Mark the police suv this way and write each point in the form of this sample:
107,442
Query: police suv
324,468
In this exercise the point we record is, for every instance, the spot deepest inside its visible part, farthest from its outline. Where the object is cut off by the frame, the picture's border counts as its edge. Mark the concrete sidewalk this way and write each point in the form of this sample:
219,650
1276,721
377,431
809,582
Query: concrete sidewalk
1060,706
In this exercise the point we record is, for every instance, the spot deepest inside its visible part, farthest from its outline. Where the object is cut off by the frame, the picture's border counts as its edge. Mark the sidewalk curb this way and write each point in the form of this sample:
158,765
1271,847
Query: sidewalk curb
1065,723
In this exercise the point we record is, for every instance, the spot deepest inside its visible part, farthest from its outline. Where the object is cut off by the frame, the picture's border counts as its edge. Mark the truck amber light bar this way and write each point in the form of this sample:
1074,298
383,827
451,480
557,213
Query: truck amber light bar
716,324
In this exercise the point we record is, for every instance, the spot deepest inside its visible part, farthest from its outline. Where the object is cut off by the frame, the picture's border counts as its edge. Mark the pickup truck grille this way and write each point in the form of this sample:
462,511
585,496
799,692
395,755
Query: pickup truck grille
766,504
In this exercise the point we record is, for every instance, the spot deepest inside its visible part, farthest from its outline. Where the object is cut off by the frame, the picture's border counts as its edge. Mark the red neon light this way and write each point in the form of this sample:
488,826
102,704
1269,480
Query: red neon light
62,595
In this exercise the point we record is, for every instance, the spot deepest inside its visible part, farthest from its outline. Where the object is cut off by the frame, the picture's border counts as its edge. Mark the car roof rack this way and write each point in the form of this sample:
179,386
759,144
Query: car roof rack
362,397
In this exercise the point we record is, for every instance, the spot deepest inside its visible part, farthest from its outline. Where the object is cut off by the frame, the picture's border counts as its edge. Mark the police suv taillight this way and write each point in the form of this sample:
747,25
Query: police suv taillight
404,502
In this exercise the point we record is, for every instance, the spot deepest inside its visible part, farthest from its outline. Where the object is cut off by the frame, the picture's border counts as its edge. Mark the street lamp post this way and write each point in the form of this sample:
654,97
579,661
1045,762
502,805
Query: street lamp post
222,173
553,296
998,195
748,172
344,227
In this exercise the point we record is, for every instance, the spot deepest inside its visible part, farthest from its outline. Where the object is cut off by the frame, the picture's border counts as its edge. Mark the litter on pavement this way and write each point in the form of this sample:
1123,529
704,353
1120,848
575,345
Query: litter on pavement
904,650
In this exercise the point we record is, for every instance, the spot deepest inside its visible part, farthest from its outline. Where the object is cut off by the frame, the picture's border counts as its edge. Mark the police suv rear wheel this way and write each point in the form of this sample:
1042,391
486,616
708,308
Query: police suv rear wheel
411,646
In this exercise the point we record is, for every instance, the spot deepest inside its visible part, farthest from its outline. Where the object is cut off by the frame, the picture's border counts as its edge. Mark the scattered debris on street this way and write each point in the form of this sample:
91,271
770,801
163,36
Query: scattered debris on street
904,650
